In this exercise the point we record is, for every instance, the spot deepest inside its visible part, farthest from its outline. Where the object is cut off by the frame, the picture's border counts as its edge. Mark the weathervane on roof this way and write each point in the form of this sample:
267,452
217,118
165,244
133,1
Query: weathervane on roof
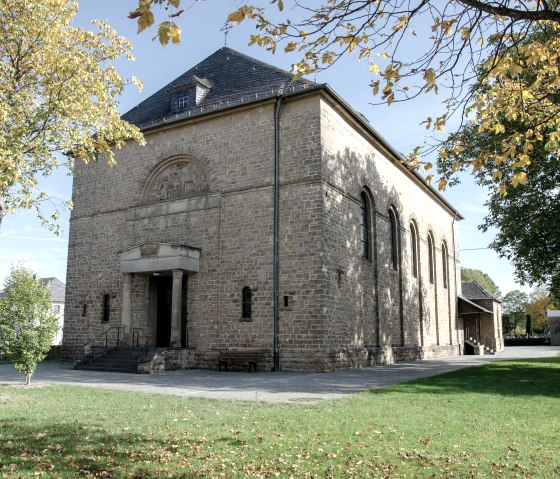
226,29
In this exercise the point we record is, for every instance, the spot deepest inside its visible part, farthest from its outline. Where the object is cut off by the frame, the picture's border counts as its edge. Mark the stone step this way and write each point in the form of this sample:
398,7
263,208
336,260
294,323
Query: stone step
93,367
122,359
122,356
126,350
109,362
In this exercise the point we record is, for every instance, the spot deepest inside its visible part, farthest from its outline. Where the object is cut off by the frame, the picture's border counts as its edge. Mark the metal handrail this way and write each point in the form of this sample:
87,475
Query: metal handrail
147,343
91,343
136,334
106,334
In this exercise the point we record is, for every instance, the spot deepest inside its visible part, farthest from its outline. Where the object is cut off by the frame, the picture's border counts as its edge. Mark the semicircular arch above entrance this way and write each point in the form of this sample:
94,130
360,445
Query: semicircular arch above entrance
175,178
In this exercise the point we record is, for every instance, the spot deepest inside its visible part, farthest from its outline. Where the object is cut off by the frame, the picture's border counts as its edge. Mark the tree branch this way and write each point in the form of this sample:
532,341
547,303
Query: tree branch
514,14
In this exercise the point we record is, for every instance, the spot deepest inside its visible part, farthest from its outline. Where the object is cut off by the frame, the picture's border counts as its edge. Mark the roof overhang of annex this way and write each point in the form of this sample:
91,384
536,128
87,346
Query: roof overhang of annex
466,306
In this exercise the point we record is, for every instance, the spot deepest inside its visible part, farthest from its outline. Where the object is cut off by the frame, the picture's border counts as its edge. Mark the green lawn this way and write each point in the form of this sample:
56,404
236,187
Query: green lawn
496,420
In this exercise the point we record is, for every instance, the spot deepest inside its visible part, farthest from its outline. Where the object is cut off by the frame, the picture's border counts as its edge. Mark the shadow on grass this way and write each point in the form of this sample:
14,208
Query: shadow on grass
75,450
530,377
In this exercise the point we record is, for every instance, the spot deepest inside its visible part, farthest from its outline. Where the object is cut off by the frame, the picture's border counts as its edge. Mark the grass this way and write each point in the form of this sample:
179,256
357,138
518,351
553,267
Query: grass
500,420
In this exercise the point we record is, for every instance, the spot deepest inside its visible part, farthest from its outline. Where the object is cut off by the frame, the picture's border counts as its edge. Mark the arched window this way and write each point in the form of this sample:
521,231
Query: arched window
444,264
364,226
414,249
246,302
431,257
106,308
393,240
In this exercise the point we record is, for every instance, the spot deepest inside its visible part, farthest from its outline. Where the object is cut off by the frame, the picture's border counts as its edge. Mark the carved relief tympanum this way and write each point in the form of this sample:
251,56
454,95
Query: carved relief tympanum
177,179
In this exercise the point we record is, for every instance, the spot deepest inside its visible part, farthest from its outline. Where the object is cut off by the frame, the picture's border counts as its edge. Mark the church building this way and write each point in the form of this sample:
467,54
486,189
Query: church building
263,214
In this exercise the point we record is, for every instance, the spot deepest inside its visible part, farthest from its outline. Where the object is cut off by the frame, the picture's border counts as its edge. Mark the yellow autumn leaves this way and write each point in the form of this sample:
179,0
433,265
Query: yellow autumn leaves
167,30
521,86
58,91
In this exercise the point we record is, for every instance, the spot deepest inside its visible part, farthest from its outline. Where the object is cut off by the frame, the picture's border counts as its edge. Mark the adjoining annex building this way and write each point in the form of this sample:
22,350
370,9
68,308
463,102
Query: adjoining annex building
263,215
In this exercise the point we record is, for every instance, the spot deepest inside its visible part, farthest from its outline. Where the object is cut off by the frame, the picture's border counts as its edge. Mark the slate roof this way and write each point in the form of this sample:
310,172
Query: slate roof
473,291
235,79
56,287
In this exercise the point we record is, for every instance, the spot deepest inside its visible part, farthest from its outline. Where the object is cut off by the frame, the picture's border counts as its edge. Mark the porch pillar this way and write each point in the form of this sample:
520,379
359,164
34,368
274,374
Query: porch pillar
176,297
126,320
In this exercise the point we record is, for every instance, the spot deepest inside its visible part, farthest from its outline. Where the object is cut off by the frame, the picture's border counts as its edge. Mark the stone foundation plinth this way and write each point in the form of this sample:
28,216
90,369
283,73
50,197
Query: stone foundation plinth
296,360
168,360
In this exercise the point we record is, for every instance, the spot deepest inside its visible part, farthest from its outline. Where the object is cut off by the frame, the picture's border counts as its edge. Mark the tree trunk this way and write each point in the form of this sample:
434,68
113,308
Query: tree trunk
28,379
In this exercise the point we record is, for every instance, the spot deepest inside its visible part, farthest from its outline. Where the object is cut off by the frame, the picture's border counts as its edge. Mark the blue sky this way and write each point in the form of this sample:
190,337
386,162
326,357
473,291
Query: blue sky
23,239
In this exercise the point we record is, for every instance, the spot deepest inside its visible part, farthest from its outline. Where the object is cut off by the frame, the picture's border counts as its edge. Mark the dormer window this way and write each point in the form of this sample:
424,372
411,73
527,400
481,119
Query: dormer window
189,94
183,102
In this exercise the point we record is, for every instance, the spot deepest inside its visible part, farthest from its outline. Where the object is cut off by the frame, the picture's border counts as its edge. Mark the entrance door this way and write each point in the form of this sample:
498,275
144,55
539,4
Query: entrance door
164,296
164,286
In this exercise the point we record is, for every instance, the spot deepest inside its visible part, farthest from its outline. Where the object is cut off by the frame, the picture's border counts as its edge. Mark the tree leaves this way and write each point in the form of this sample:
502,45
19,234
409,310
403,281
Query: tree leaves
514,155
57,95
167,30
145,20
27,323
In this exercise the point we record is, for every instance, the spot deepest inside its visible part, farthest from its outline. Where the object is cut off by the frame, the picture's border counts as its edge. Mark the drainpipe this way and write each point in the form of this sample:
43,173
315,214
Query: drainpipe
276,226
455,276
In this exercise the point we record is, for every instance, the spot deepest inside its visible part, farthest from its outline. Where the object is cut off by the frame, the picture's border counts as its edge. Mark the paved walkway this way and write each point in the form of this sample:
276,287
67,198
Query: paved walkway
261,386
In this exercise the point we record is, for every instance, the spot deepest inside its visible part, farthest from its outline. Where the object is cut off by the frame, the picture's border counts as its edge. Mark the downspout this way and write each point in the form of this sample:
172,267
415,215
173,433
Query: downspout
455,277
276,226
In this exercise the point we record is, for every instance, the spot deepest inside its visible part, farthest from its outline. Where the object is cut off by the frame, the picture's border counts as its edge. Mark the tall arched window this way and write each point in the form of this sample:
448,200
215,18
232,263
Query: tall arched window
364,226
106,308
431,257
444,264
246,302
414,249
393,240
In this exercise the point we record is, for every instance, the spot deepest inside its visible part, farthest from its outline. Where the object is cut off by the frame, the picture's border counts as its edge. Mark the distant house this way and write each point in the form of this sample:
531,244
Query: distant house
57,289
482,316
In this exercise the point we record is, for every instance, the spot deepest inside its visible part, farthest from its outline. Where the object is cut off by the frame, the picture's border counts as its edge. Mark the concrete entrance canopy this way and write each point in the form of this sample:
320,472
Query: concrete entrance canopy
152,258
155,257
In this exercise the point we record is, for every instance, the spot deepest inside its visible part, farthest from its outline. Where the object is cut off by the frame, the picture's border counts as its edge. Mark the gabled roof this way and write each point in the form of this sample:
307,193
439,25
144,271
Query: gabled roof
56,287
473,291
233,79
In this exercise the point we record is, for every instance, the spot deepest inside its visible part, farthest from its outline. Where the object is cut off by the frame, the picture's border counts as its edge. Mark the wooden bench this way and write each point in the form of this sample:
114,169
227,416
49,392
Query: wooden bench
250,356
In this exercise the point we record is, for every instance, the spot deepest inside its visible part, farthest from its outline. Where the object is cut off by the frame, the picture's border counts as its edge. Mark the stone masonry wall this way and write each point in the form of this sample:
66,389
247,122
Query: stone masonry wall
336,308
370,303
231,223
